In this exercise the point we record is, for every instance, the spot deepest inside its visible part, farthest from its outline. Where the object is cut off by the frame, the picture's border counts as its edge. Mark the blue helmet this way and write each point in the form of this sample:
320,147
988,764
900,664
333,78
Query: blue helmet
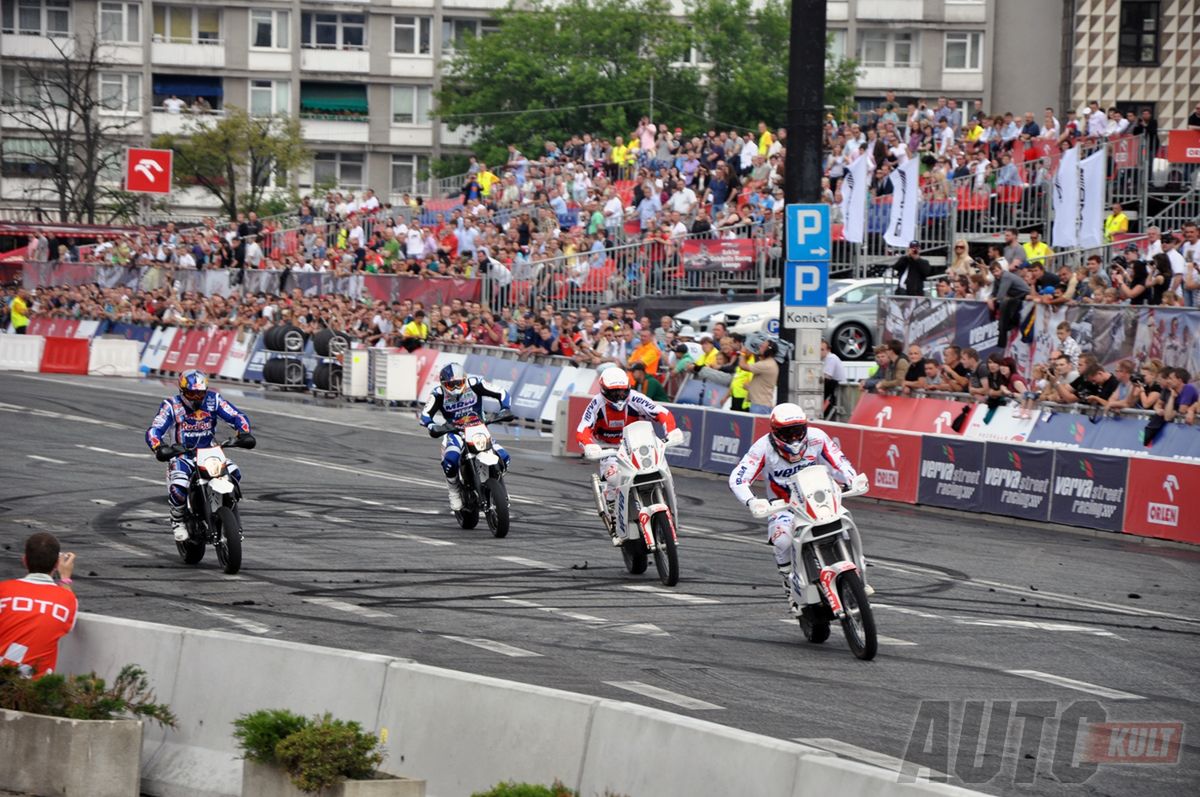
453,379
193,387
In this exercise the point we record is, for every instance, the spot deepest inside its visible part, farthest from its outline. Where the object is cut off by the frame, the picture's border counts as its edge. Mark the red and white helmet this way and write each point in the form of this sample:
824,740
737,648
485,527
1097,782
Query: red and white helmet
614,386
789,431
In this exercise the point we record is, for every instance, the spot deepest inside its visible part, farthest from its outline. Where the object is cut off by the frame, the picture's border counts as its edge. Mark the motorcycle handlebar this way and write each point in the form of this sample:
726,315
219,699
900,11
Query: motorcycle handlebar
442,429
166,452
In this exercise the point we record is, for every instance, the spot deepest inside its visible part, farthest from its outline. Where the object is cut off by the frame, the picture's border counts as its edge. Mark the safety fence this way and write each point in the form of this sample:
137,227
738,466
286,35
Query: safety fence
976,471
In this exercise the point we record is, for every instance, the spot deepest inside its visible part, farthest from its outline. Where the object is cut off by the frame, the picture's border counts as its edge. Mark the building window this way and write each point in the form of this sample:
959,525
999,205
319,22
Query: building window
411,35
269,29
410,105
1139,32
121,92
340,169
187,25
199,93
26,157
964,51
884,48
335,101
121,22
408,173
837,46
270,97
21,87
455,31
333,31
36,17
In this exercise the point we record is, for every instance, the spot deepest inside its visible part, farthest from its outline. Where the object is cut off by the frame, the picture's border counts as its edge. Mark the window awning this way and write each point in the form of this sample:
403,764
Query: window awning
333,98
188,86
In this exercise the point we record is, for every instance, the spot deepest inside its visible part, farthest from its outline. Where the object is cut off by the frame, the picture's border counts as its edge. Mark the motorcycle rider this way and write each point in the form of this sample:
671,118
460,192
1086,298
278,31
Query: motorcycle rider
789,447
604,420
193,414
459,398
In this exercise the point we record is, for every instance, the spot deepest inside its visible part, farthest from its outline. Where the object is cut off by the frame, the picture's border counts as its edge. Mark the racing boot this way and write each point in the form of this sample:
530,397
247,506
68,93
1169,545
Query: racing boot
786,572
455,495
179,523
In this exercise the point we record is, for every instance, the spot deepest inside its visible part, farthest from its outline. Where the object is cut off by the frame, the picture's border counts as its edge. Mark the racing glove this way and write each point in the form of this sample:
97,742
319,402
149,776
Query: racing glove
246,440
759,507
591,451
165,453
503,416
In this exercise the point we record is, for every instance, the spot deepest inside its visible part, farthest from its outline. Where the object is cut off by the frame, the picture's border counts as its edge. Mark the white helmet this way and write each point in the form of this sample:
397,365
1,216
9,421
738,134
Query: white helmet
789,430
614,386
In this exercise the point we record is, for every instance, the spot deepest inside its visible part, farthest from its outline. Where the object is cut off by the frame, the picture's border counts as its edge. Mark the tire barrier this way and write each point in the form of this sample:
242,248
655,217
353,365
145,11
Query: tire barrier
284,371
284,338
328,376
328,343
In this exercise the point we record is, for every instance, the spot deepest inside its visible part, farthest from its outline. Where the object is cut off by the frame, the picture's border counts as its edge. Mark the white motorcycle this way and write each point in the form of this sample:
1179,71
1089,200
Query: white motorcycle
643,523
480,474
826,580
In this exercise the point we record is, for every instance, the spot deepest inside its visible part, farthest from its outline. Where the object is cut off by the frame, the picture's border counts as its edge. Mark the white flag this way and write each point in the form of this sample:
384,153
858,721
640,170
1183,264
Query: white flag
906,195
1065,234
854,200
1091,194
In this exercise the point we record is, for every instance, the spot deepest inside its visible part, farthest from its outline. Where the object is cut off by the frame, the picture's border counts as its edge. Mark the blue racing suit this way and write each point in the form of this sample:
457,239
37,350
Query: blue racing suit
194,429
467,406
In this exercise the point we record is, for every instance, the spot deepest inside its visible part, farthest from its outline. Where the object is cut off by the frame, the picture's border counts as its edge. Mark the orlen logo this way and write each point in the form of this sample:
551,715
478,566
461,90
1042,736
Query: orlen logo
889,479
893,454
884,414
1192,152
1165,514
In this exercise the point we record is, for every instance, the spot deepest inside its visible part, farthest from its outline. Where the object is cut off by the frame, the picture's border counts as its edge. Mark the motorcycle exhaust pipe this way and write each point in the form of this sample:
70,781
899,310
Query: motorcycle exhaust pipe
598,494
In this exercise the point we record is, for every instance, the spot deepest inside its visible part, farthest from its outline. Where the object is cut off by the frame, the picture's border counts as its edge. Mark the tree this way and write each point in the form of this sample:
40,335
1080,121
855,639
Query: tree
74,136
236,158
553,70
747,55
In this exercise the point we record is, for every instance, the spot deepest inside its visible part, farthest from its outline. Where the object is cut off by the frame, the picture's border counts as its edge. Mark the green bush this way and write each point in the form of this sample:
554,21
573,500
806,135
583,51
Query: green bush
259,732
84,697
511,789
326,751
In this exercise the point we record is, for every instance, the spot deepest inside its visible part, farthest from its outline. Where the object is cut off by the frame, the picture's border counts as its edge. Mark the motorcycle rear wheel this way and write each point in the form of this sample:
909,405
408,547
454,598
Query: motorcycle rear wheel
666,557
191,552
858,623
814,623
497,514
229,540
636,556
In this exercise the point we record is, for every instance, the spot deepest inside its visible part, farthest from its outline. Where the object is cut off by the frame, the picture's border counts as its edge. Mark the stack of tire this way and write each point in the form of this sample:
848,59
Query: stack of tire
330,345
285,371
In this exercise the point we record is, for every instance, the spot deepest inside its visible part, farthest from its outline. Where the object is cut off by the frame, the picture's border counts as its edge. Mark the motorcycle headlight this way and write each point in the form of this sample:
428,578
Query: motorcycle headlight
479,442
213,466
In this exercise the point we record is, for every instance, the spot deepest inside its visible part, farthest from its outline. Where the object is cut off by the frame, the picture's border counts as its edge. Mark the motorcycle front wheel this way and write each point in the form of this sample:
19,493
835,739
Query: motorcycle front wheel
858,623
497,514
666,557
229,540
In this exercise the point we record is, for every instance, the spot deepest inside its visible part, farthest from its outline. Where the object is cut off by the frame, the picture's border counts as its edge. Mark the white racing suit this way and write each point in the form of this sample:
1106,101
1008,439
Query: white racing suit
763,458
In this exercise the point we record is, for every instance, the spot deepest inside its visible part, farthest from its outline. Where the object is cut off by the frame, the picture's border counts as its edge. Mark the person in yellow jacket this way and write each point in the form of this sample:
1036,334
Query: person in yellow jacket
1117,222
19,311
486,179
765,139
415,332
738,389
1036,250
620,153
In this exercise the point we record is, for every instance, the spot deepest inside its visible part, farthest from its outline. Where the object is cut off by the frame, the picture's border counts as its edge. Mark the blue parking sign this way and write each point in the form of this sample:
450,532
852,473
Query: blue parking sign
805,284
809,236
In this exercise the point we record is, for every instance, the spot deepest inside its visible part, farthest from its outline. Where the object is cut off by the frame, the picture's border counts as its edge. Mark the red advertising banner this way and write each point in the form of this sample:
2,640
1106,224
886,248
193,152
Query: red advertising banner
1162,500
883,412
575,407
892,463
731,254
193,349
213,356
396,288
148,171
1124,152
53,327
171,363
847,438
1183,146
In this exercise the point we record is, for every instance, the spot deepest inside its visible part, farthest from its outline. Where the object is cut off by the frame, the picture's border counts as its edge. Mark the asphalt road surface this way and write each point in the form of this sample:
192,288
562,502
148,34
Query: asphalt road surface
349,544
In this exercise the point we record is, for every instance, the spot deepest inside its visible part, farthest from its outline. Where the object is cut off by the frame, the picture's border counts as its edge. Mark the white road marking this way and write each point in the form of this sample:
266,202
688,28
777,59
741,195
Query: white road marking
103,502
665,696
342,606
1071,683
148,481
60,415
366,501
415,510
682,597
123,548
493,646
245,625
988,622
51,460
521,560
299,512
894,642
640,629
129,454
400,535
855,753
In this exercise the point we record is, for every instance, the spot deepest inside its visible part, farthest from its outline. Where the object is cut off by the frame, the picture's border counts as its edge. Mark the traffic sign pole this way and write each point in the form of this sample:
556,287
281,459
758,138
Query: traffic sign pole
801,381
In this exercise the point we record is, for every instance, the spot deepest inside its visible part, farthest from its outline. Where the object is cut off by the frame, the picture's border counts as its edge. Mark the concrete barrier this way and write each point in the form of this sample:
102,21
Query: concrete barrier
21,352
458,732
115,357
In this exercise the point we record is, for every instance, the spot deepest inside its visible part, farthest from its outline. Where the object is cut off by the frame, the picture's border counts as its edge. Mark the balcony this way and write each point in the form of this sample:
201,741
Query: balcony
13,46
962,81
890,77
353,130
269,61
174,124
330,60
412,66
411,136
837,11
209,55
891,9
966,12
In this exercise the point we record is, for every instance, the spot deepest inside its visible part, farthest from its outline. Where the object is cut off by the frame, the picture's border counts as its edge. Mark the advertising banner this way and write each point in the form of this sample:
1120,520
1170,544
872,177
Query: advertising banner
1017,481
256,360
725,254
174,359
847,438
1066,202
855,189
727,436
688,454
53,327
531,392
440,359
699,391
138,332
1120,434
193,350
906,195
882,412
1088,490
1004,427
238,355
892,462
426,375
473,365
87,328
218,347
1163,500
1179,441
570,380
1183,146
156,349
1063,430
951,473
575,407
930,323
504,374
